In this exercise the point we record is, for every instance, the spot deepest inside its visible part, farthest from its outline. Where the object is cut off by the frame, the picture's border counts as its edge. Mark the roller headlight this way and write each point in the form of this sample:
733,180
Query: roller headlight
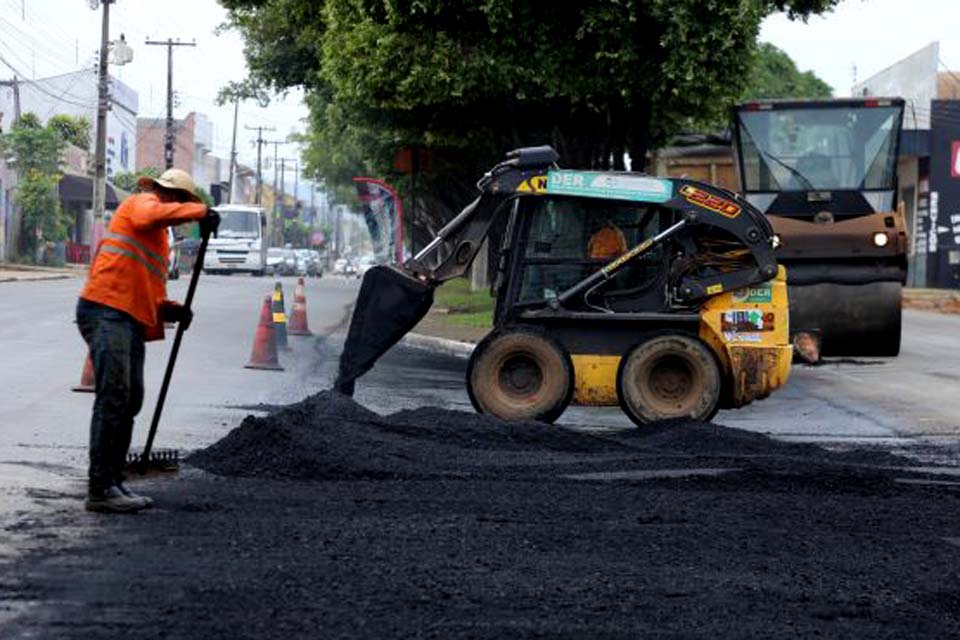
880,239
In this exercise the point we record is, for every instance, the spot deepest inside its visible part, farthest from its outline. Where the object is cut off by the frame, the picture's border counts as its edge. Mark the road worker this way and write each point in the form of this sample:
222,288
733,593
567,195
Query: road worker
124,304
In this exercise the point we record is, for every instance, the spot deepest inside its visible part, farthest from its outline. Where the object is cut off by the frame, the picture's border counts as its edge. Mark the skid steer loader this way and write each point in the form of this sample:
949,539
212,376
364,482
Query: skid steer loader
660,295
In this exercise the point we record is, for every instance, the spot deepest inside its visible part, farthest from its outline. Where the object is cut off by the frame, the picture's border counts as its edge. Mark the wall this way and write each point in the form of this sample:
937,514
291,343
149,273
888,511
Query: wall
75,94
914,78
943,242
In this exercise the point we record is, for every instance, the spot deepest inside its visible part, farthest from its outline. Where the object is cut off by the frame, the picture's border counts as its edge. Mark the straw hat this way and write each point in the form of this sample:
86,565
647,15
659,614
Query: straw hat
172,179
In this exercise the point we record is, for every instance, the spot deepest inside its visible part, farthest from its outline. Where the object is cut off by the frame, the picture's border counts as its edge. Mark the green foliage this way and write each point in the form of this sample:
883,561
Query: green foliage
775,75
205,197
76,131
40,206
468,80
296,233
246,90
28,120
127,180
35,151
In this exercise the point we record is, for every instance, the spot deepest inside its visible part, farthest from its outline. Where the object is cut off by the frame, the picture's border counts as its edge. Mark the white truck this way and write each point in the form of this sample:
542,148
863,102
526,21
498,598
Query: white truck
240,246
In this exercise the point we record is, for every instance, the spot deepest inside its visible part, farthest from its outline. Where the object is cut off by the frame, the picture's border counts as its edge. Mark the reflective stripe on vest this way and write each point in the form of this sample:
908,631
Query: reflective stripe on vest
110,235
109,248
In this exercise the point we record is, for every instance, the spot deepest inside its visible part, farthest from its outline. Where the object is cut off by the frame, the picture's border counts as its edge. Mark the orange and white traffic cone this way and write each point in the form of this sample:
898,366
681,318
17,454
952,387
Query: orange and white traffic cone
87,381
298,315
264,355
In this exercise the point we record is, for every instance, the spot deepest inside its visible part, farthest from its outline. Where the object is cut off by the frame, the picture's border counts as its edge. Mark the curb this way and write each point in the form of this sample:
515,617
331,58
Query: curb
36,278
434,344
936,300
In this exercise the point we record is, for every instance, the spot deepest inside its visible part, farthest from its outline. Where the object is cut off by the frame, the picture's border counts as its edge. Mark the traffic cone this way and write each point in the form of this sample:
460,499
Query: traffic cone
264,355
279,317
87,381
298,315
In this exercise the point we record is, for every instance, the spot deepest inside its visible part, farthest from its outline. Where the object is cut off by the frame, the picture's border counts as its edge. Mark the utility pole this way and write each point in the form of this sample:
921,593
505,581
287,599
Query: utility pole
233,150
103,104
15,85
168,146
260,142
283,186
277,223
296,182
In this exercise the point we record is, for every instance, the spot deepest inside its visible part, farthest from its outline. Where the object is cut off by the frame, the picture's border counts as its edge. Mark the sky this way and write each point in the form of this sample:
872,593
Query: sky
868,35
50,37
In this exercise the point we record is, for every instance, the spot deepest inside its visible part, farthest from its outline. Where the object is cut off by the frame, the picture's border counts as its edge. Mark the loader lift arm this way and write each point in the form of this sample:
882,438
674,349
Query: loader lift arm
393,300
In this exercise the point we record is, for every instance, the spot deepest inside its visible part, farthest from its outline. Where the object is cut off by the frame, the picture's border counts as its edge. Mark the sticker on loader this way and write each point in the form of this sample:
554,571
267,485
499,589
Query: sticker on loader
533,184
746,321
762,293
594,184
709,201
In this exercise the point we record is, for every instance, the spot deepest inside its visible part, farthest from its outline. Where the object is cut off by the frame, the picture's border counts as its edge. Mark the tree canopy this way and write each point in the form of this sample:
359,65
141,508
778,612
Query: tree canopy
75,130
775,75
468,80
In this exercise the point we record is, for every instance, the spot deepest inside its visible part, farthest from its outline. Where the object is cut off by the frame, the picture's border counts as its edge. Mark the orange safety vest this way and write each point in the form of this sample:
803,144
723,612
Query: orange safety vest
129,271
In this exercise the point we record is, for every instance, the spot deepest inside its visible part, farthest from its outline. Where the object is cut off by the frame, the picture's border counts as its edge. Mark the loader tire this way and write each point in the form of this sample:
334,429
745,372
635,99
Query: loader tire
520,374
669,375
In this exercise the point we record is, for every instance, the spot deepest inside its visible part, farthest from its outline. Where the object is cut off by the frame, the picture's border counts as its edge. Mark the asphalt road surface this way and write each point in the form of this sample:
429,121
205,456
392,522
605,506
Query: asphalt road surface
796,548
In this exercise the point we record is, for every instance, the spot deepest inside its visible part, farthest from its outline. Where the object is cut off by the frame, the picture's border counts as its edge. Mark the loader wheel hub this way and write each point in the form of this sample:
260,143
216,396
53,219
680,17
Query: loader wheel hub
671,381
520,375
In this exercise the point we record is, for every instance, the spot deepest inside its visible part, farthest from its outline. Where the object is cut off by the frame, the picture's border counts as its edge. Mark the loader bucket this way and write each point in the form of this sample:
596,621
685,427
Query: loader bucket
389,305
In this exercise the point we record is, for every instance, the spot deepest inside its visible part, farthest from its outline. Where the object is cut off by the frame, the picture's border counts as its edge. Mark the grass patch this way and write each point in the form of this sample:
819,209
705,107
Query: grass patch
456,296
466,308
481,319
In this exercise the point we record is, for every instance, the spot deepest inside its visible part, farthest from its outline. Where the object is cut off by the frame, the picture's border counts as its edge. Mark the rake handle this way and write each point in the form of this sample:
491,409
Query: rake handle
194,277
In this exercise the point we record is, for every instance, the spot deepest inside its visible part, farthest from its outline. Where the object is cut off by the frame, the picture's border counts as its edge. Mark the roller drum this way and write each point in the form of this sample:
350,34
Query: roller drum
851,320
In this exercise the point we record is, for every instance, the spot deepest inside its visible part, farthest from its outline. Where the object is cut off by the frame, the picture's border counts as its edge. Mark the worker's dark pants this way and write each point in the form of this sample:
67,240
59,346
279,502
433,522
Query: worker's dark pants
116,347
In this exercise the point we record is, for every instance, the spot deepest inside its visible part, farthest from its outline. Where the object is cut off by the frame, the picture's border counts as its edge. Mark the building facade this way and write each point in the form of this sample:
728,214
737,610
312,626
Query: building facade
929,163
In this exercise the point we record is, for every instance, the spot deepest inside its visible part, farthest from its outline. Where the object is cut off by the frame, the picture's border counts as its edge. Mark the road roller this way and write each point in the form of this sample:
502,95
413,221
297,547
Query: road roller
662,296
824,172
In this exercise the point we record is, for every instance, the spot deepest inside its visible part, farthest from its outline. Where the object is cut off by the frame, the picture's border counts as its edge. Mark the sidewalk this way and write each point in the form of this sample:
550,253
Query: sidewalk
941,300
10,272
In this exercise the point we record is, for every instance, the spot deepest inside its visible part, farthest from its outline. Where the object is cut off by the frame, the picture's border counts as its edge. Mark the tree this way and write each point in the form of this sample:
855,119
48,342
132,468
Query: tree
127,180
35,152
775,75
469,80
76,131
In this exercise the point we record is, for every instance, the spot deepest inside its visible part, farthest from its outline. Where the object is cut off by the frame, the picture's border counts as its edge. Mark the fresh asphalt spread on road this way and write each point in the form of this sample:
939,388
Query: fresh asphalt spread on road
325,519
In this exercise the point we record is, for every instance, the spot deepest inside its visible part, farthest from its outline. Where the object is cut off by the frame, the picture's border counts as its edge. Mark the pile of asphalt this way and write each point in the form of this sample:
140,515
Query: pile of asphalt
328,436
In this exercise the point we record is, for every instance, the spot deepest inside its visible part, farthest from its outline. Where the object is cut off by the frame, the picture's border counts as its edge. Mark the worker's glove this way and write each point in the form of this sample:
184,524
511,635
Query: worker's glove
210,222
173,312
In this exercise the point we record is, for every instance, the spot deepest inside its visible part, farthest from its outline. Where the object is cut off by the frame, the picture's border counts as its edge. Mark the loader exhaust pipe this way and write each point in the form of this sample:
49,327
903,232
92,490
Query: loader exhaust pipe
390,303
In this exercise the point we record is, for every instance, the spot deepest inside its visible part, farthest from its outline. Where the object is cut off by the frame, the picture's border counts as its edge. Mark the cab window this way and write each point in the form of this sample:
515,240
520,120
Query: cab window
567,239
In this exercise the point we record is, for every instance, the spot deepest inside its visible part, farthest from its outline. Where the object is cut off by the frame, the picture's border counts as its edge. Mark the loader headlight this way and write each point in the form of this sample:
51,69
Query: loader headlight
881,239
776,241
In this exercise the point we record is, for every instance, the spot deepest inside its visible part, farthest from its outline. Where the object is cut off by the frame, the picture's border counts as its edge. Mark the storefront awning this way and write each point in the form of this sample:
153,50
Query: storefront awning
79,189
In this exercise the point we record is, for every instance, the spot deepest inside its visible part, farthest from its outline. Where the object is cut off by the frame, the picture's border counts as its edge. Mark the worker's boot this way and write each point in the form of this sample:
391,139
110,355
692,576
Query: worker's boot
112,500
147,502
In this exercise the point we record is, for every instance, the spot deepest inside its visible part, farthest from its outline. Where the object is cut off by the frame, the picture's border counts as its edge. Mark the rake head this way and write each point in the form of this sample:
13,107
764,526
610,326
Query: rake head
159,461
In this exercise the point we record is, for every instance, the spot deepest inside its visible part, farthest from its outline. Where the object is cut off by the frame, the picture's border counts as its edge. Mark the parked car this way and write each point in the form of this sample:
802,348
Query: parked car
317,263
364,264
173,266
344,267
305,264
289,265
274,260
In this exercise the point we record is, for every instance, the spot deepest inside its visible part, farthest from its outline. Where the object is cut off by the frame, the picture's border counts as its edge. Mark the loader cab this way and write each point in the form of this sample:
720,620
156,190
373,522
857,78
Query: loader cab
553,242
